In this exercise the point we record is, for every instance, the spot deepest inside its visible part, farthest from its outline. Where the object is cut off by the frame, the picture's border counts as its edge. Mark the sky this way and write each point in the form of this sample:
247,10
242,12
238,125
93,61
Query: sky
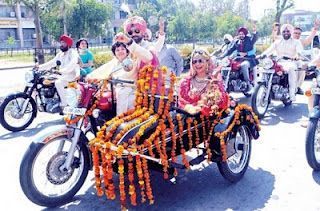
258,6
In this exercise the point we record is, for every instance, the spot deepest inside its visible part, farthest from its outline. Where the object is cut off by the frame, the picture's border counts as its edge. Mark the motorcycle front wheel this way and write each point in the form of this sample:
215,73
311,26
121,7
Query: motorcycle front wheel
42,178
11,117
236,165
260,101
313,144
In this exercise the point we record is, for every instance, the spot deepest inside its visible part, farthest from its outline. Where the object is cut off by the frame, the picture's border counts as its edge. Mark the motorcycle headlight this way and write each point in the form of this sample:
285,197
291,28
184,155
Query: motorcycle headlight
72,97
267,63
28,76
225,62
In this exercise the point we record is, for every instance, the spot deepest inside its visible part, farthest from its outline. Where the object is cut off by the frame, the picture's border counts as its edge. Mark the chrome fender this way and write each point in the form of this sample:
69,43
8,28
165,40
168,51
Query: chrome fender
52,132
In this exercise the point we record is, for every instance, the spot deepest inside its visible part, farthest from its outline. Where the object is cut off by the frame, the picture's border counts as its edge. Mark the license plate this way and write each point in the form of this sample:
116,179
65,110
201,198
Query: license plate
315,91
74,111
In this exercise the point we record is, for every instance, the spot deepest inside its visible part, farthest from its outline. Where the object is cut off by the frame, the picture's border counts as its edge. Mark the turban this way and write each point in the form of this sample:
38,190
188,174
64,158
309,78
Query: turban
288,27
228,37
243,30
68,40
137,22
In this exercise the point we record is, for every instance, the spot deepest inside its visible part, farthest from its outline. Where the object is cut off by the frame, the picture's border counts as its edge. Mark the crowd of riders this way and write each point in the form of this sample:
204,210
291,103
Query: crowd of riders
136,44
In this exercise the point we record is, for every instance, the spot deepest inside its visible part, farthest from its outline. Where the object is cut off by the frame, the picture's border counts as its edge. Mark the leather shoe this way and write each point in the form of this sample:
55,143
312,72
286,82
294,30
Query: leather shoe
299,91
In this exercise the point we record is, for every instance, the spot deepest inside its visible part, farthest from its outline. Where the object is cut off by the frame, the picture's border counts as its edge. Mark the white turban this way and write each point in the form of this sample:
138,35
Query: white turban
288,27
228,37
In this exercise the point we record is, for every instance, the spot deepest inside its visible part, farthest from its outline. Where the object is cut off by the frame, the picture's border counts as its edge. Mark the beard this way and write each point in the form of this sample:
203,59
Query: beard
286,36
137,39
64,49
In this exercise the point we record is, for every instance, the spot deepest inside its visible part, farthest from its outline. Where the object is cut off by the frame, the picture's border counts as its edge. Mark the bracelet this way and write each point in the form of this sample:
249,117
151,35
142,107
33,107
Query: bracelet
129,43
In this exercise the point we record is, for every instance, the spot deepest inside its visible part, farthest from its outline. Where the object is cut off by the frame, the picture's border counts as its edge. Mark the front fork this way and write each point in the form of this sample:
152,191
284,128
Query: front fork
269,84
74,141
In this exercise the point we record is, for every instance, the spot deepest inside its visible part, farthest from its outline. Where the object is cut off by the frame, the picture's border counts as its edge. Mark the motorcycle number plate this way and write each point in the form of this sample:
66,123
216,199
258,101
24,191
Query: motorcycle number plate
74,111
315,91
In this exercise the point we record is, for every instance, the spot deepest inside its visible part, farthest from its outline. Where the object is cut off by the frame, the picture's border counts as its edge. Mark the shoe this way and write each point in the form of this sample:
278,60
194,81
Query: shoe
299,91
304,123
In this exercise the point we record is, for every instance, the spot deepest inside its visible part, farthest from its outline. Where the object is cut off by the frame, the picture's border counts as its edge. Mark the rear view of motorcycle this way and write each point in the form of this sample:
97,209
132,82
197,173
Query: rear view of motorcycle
313,128
19,110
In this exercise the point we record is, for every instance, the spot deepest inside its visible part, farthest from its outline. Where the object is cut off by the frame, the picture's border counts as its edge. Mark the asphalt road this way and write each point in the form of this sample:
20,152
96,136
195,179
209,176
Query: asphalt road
278,177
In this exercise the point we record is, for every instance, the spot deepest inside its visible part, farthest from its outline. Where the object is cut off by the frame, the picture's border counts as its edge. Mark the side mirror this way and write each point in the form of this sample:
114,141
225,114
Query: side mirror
58,62
127,64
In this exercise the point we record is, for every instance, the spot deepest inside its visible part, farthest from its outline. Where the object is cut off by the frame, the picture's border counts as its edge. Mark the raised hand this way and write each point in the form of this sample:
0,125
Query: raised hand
161,26
121,37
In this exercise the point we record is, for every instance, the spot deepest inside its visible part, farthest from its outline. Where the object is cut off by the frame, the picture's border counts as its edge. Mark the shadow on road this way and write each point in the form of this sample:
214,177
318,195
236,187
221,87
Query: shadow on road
288,114
205,190
30,131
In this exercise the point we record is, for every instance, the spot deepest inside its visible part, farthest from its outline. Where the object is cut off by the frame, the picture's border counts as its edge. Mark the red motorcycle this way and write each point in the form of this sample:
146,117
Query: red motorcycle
64,149
232,76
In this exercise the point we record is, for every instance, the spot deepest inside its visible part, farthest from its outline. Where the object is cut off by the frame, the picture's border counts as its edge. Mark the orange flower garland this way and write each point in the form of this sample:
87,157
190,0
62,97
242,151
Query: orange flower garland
154,143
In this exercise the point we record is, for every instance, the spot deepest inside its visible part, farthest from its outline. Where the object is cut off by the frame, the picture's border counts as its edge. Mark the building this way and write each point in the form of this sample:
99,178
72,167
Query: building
303,19
16,22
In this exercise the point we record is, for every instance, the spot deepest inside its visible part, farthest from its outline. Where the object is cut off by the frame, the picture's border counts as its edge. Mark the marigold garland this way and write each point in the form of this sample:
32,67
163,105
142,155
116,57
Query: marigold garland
155,145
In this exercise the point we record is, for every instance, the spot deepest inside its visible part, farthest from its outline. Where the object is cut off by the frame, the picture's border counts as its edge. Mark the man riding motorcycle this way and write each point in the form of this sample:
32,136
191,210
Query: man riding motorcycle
245,47
69,68
288,49
227,39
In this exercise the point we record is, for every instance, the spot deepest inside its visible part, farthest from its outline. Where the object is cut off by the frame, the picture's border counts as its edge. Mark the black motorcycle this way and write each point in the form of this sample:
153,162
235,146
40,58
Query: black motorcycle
18,110
313,129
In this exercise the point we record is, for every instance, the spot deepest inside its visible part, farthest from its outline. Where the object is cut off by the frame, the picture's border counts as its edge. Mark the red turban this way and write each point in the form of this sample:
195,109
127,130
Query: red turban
68,40
243,30
137,22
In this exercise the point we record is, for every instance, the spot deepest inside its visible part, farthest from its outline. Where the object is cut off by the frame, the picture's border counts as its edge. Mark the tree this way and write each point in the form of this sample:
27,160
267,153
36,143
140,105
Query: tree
228,24
265,24
217,8
243,9
92,16
36,6
281,6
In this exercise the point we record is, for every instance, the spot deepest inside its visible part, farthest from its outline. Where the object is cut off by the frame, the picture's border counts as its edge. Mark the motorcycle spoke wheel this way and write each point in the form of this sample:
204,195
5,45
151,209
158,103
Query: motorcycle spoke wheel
12,116
238,161
262,100
48,176
316,144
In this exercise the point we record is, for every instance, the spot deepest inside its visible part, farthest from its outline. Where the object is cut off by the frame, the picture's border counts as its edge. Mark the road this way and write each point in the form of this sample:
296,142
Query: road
278,177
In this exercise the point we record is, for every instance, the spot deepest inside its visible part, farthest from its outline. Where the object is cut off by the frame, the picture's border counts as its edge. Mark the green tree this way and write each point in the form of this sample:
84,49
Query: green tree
37,7
228,24
89,18
281,6
217,8
265,24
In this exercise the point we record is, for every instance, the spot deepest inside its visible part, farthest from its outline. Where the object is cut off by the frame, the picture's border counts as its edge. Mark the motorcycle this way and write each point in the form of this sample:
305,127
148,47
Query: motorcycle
312,136
18,110
273,84
232,77
64,160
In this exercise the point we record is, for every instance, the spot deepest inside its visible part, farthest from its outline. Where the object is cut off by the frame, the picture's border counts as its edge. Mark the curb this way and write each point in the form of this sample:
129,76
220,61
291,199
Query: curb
20,67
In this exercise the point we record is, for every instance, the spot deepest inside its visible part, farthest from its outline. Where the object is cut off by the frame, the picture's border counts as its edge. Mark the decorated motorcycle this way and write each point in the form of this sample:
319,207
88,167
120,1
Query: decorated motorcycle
155,135
232,77
18,110
313,135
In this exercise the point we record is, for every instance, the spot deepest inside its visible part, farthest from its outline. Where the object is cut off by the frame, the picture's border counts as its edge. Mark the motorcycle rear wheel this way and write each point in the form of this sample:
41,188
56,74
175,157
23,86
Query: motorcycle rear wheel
313,144
10,118
236,165
51,186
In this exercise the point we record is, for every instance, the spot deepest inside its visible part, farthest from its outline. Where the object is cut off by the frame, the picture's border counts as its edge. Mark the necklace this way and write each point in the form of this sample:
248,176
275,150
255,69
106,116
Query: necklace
198,86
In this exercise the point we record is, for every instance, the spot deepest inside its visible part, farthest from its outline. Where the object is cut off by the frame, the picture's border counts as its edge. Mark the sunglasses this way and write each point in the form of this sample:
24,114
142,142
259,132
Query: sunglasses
200,61
137,31
286,31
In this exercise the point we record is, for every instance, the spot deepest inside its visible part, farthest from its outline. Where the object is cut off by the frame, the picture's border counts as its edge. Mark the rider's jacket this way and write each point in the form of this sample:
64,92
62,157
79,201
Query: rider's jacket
69,67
